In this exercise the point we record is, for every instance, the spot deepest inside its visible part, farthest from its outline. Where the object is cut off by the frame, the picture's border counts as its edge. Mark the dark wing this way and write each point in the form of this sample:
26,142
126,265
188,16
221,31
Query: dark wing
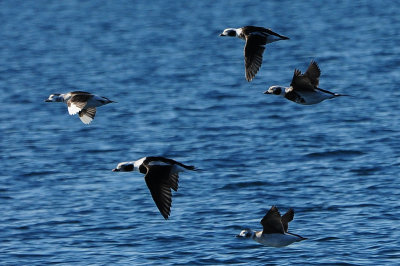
79,105
247,30
286,218
78,101
79,92
159,181
173,181
301,82
253,54
270,32
313,72
80,98
272,222
87,115
168,161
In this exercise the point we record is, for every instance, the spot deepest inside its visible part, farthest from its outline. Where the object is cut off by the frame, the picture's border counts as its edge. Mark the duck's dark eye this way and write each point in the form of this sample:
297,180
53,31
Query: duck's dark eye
277,91
231,33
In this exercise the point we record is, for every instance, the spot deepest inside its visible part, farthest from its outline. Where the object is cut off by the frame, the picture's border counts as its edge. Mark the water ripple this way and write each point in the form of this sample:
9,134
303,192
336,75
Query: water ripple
181,93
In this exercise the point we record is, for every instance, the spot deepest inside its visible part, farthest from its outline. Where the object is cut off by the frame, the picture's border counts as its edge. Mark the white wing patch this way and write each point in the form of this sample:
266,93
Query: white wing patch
73,110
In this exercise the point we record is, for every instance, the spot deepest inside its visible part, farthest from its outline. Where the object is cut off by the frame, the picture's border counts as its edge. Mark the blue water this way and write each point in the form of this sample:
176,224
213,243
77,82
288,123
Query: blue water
182,93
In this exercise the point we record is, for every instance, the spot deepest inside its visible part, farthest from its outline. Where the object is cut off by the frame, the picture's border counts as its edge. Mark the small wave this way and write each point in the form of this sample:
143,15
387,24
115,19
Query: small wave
103,151
32,255
244,185
39,173
329,238
107,228
335,153
362,171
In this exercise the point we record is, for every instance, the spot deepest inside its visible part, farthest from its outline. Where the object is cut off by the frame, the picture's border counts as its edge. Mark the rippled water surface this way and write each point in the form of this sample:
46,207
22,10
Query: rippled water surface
181,93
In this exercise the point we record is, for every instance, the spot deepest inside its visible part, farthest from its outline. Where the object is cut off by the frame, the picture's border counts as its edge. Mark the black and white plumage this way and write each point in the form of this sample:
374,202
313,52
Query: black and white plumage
275,230
304,87
82,103
161,175
256,38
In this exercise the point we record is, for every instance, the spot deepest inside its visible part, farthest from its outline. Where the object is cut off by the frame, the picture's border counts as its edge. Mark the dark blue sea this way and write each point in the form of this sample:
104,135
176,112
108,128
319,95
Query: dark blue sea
182,94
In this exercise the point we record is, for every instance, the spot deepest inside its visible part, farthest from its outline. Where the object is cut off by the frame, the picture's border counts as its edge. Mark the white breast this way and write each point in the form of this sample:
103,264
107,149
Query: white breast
139,162
239,33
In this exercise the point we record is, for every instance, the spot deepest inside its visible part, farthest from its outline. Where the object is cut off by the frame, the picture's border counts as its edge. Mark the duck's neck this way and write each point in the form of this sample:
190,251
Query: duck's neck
239,34
64,97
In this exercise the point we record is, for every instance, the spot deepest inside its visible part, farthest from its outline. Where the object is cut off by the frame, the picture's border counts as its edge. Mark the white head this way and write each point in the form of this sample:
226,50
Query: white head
276,90
246,233
56,97
125,167
229,32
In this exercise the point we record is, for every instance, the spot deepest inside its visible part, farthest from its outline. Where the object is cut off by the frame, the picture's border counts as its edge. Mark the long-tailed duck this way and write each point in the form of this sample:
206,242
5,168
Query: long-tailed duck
275,230
304,87
80,102
256,38
161,174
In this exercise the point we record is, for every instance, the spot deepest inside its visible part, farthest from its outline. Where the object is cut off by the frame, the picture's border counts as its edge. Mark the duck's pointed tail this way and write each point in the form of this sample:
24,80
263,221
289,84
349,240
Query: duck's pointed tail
332,93
191,167
338,94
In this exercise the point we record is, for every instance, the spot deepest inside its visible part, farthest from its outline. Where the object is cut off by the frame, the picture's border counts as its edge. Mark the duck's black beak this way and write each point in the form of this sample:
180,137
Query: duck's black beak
115,170
47,100
221,34
267,92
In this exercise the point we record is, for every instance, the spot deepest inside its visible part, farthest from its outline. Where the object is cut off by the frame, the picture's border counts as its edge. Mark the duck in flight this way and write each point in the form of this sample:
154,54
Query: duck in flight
304,87
161,174
256,38
275,230
82,103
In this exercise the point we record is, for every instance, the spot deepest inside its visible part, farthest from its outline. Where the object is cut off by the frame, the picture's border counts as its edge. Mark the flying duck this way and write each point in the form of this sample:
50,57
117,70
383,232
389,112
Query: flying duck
82,103
161,174
304,87
256,38
275,230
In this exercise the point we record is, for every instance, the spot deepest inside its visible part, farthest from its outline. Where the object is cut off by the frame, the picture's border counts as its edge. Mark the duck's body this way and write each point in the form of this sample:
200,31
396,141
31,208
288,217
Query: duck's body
304,87
276,240
256,38
82,103
275,230
161,174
